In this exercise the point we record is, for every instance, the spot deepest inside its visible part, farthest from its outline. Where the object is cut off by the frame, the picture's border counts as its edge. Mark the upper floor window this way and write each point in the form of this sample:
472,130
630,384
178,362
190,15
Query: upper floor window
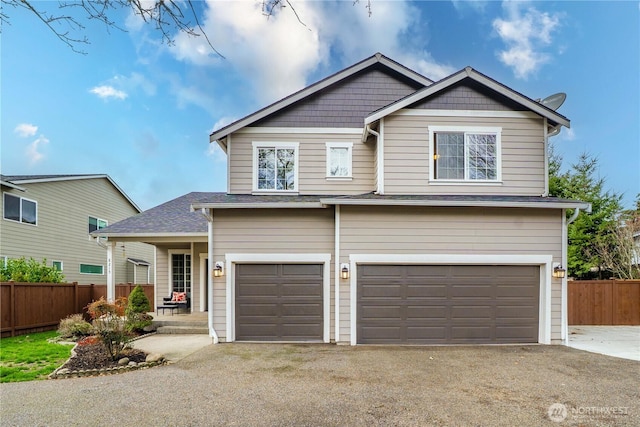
465,154
275,166
20,209
96,224
339,159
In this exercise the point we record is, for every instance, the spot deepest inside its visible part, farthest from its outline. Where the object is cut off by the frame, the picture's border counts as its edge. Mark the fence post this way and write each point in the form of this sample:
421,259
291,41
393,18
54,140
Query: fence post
13,309
75,296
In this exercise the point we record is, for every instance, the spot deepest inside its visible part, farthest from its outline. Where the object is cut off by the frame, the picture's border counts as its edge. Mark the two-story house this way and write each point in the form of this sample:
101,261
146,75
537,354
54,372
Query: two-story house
51,217
375,206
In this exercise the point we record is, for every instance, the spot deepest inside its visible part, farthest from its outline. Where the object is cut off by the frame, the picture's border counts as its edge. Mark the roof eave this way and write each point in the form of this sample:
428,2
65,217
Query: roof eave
157,234
461,203
12,185
266,205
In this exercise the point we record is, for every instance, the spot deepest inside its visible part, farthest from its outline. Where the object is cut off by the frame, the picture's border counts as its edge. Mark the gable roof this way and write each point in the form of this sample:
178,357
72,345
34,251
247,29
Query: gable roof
469,73
378,58
14,181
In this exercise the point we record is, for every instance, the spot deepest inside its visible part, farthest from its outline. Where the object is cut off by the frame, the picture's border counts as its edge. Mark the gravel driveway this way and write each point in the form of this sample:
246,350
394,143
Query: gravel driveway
318,385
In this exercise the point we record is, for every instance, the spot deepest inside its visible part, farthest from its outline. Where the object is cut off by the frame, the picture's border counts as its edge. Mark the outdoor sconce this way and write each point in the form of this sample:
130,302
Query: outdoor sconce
218,270
344,271
558,271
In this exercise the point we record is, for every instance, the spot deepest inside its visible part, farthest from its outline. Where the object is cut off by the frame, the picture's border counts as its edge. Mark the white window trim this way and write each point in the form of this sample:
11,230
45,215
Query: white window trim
98,219
544,261
277,145
61,264
94,265
231,259
349,147
21,199
466,129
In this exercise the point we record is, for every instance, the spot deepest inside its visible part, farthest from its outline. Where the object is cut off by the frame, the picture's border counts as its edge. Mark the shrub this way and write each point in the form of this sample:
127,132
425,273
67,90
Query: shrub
74,327
137,308
31,271
109,322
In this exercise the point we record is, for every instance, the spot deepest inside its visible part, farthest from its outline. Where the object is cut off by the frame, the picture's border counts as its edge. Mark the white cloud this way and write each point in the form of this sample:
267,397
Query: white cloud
106,92
214,149
526,34
34,150
26,130
278,54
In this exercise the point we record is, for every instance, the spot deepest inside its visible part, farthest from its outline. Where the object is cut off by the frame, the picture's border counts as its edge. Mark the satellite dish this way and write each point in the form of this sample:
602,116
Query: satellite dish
554,101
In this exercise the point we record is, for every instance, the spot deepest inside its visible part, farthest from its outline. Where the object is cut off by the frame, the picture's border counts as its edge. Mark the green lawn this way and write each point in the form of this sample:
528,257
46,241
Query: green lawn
31,357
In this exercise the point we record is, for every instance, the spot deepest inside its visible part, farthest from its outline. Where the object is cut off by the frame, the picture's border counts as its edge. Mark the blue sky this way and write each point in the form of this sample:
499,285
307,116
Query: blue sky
142,111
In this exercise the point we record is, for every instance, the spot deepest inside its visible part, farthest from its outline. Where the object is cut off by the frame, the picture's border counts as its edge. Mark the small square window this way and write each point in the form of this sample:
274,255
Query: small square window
339,159
57,265
96,224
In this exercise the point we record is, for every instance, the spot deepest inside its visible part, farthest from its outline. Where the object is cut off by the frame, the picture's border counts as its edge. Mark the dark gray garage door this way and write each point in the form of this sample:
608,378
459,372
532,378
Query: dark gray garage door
447,304
278,302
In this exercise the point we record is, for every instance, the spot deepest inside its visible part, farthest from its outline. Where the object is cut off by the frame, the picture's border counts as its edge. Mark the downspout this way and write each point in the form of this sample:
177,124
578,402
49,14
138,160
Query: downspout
336,275
564,334
546,159
380,157
208,214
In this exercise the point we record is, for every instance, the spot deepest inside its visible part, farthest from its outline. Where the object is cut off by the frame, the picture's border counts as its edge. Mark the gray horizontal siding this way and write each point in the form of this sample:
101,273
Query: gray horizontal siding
406,148
312,163
401,230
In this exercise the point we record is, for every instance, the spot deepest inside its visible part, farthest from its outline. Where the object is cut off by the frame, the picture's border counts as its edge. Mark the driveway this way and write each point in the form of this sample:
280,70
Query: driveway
329,385
616,341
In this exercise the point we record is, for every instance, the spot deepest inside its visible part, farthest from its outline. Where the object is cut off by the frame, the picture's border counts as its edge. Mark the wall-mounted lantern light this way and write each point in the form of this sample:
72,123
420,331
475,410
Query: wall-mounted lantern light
344,271
558,271
218,270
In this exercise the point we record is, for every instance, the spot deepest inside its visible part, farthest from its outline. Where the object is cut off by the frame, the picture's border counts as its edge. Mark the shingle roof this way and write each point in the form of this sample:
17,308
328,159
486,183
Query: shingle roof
172,217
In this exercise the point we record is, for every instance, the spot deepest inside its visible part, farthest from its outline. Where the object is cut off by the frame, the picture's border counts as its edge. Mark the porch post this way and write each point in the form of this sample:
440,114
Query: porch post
111,285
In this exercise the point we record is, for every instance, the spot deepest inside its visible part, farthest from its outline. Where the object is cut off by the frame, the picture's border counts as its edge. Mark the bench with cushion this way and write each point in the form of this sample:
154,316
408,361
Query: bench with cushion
176,301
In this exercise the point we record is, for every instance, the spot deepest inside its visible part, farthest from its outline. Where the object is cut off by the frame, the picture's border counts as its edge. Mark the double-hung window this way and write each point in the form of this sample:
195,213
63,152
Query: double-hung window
339,159
20,209
275,166
465,154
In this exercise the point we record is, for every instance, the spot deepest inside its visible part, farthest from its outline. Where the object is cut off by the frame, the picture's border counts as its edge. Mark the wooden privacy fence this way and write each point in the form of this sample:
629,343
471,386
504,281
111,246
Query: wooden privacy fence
604,302
34,307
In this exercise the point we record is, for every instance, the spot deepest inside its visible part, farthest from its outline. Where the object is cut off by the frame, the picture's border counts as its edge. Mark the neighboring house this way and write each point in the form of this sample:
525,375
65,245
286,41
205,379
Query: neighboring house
51,217
375,206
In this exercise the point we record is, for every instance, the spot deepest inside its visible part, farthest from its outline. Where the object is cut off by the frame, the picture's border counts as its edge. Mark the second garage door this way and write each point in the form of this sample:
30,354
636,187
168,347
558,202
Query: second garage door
279,302
447,304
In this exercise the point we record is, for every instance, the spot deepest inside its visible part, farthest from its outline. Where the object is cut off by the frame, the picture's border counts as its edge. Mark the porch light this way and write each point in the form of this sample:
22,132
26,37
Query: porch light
218,270
344,271
559,272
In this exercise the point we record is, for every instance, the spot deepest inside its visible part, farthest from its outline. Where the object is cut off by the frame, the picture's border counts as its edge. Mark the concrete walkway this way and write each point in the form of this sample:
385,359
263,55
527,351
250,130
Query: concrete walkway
173,347
616,341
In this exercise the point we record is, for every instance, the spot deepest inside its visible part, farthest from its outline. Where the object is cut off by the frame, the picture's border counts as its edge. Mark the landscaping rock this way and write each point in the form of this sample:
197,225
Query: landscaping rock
133,363
123,362
154,357
150,328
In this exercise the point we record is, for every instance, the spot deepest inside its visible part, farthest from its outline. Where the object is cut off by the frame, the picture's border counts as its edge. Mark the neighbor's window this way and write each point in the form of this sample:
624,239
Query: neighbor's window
276,167
91,269
339,159
96,224
57,265
20,209
471,155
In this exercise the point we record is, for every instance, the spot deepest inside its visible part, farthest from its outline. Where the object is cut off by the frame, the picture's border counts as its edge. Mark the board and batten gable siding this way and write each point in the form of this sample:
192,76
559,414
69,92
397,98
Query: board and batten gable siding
268,231
62,231
435,231
346,103
407,161
312,158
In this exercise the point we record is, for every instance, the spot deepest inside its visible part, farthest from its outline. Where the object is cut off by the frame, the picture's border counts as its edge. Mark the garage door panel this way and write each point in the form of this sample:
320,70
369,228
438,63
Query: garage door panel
447,304
279,302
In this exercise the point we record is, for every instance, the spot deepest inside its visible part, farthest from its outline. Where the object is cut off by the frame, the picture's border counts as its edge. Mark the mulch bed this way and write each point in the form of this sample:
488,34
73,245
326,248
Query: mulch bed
92,354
